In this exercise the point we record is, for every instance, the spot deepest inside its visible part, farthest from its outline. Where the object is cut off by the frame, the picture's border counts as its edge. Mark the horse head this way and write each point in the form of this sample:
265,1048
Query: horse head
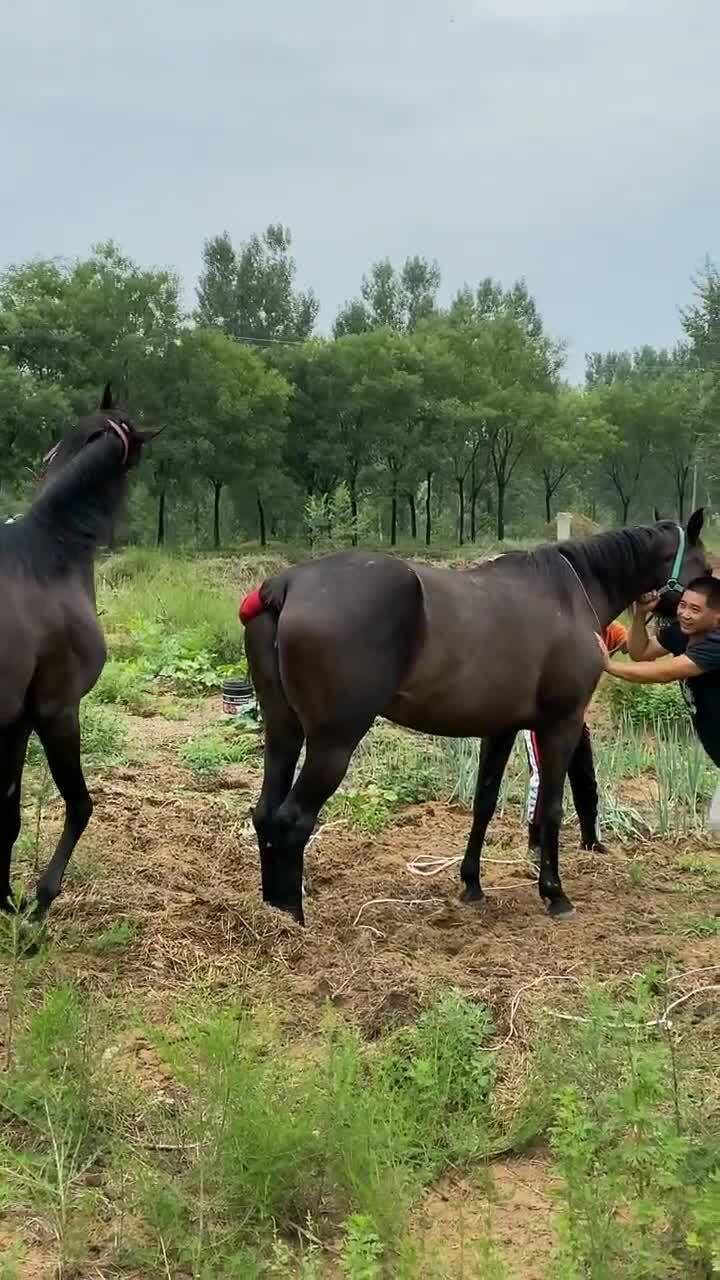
108,421
683,558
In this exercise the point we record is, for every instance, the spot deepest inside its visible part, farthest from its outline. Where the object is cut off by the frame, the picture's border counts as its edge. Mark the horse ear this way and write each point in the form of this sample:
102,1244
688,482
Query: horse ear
694,525
658,517
145,437
107,401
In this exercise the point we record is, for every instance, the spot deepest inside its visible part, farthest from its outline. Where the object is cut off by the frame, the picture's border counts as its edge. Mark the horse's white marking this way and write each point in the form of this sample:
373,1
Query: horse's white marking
11,790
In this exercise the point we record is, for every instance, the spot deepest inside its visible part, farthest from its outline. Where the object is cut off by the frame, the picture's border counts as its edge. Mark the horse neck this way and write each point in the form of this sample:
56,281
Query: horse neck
76,510
617,569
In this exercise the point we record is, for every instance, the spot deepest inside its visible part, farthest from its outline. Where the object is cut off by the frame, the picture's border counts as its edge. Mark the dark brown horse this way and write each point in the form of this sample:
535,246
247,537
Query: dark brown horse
484,652
52,648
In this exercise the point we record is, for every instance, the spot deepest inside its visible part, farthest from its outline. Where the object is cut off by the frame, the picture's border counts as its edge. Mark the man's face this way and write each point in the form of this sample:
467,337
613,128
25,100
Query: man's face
695,615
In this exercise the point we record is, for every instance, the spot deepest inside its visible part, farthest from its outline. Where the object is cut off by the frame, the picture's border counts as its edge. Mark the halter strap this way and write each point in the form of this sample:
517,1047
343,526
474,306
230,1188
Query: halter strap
571,566
673,583
123,435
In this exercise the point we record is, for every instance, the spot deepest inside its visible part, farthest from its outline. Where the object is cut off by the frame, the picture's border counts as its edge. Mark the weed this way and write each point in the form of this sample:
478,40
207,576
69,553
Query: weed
649,705
225,744
122,684
369,808
362,1253
692,926
118,935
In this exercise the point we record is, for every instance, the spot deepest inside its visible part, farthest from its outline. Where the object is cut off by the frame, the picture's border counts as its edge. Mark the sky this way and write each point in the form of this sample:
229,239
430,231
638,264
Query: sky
572,142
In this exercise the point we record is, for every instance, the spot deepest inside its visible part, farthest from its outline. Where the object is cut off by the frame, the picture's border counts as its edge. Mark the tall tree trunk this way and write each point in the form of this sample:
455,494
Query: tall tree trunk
473,500
461,509
548,500
413,516
261,519
681,479
217,488
352,490
196,522
501,486
160,540
394,513
625,508
428,508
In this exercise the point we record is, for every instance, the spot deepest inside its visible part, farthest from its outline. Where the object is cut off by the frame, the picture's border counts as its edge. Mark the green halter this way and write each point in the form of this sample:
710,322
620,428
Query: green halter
673,583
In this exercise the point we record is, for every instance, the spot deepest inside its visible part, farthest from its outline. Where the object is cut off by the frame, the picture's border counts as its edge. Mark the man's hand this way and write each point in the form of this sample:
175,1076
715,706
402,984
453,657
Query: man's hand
604,651
647,603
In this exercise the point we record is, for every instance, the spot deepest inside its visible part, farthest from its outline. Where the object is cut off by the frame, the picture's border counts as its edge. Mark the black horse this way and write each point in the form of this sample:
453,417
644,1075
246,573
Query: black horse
483,652
52,648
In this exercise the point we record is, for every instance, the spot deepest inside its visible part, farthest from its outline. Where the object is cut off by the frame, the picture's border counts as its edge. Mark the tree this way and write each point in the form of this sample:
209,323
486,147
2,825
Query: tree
569,437
392,299
701,320
32,411
84,323
235,410
250,293
624,408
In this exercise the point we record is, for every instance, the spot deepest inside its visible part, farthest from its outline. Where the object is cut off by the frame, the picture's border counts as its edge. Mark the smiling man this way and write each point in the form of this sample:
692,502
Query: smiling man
687,649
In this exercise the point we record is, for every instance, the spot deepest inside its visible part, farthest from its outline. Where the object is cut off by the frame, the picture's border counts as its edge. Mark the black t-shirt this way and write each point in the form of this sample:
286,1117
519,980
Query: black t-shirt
702,693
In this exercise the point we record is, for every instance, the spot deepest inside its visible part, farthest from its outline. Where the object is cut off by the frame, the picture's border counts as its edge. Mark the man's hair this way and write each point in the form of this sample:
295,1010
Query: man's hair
706,586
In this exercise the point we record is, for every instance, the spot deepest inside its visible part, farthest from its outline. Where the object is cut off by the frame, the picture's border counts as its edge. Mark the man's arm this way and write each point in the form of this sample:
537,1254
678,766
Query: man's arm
641,646
655,671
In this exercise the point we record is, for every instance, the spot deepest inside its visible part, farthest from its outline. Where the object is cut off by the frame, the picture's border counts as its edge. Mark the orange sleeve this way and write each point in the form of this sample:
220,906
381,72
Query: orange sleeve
615,635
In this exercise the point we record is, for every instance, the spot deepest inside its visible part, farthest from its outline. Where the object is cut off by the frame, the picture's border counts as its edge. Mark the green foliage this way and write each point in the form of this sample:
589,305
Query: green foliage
229,743
361,1257
647,705
122,684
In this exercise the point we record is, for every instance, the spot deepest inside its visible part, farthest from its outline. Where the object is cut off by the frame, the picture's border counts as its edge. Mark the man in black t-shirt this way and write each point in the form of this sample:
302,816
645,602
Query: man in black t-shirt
687,649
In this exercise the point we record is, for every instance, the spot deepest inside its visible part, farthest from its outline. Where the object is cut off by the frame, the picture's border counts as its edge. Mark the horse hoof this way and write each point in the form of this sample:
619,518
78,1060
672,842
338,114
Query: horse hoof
472,893
560,908
296,913
597,846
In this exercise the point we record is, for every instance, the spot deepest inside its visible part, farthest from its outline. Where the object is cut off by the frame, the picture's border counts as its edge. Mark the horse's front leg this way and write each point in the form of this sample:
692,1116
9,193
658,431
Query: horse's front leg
557,745
60,737
494,755
13,748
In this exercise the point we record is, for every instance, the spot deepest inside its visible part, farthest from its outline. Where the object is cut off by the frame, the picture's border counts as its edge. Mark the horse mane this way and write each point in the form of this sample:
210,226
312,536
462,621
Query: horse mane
617,558
73,509
621,554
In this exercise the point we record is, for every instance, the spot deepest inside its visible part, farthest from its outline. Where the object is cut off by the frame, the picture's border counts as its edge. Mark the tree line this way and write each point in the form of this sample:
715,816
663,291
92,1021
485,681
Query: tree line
412,421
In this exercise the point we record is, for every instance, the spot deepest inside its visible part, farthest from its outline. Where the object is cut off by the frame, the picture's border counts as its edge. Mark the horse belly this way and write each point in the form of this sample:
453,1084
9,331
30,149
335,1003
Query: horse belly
465,702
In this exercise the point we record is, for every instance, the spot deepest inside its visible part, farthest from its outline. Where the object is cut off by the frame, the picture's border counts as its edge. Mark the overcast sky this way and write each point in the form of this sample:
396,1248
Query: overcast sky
574,142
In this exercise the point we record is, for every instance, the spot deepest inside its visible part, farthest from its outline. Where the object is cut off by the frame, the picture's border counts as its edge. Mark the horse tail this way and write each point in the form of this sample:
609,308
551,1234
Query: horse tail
260,613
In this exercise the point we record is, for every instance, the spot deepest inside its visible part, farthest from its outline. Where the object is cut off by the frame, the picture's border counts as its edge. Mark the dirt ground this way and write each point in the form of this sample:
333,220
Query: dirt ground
173,852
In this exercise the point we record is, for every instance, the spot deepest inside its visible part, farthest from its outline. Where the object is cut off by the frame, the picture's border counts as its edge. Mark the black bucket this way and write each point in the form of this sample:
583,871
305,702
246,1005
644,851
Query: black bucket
238,696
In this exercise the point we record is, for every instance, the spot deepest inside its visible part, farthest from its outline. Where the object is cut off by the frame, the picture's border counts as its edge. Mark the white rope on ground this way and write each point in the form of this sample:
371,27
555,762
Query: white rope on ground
427,865
708,968
662,1021
515,1004
400,902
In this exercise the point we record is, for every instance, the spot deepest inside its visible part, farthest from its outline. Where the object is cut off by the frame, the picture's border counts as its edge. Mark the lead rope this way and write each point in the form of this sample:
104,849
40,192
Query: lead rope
582,588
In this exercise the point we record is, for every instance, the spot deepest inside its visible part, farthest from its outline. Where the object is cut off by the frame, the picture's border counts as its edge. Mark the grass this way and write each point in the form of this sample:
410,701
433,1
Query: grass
223,744
260,1168
247,1141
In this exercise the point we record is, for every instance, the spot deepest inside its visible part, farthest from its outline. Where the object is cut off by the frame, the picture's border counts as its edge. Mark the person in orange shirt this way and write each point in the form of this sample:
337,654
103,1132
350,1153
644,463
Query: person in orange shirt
581,771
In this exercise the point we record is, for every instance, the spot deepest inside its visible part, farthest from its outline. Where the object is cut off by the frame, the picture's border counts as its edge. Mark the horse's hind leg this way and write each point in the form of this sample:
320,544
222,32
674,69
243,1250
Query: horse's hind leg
283,740
60,737
583,784
13,748
494,755
327,755
557,745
